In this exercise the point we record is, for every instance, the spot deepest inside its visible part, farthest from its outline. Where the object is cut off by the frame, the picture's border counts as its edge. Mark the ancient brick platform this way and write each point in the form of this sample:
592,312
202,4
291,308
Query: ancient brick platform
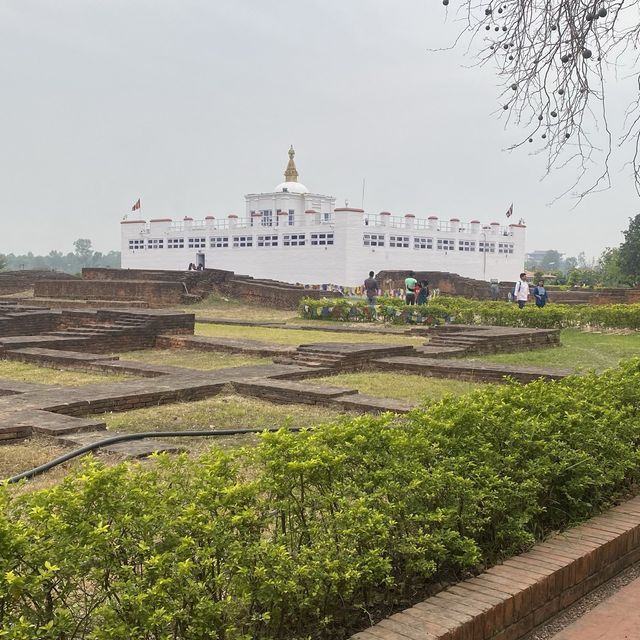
100,330
229,345
468,370
509,600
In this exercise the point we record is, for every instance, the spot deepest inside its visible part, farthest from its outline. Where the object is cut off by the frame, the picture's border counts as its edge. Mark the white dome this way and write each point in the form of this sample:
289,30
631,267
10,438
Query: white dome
291,187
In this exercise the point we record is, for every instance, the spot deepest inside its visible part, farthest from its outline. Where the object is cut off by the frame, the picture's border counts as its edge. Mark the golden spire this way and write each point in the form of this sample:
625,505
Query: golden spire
291,173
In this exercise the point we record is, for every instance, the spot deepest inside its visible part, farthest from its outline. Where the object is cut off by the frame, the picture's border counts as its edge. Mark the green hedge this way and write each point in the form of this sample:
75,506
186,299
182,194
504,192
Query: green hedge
302,535
465,311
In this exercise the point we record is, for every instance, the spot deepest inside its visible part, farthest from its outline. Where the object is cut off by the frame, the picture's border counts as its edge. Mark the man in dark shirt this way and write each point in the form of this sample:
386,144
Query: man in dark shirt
371,291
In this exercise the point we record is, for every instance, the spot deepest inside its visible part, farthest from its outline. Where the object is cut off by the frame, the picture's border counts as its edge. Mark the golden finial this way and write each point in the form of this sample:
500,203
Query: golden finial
291,173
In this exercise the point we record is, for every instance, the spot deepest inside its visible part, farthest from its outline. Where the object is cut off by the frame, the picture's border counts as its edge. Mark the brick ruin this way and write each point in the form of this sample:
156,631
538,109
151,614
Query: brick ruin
451,284
144,288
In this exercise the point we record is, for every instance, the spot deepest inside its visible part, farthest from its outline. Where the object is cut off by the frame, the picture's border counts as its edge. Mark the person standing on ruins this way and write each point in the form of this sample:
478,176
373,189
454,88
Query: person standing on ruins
410,288
371,288
521,291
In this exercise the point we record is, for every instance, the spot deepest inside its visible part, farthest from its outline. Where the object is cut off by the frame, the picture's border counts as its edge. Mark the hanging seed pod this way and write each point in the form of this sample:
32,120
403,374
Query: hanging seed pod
530,139
544,135
540,118
590,17
445,2
553,27
504,28
561,92
510,57
487,11
602,13
506,106
488,27
514,86
554,114
567,135
565,58
586,54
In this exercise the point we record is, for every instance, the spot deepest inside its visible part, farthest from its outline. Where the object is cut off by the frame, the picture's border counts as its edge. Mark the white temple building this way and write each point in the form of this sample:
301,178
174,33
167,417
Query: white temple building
293,235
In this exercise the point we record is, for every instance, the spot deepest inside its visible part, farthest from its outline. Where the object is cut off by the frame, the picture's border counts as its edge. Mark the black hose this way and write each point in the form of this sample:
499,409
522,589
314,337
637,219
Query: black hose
136,436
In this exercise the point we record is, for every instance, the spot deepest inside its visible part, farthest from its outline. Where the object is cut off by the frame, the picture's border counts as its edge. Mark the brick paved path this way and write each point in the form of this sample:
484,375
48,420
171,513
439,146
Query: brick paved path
616,618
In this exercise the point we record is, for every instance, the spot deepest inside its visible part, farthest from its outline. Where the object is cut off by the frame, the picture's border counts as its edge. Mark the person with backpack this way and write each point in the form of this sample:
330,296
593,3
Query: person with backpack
521,291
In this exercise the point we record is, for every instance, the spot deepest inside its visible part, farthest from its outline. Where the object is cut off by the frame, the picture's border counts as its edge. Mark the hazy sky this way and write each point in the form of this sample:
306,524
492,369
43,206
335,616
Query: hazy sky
191,104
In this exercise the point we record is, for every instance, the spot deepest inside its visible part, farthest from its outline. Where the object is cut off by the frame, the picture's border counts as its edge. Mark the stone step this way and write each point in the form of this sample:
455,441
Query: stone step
292,392
55,356
374,404
54,424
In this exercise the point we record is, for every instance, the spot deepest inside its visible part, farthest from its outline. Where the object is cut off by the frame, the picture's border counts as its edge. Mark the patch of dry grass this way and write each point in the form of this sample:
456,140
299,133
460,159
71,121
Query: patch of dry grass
227,411
229,309
25,372
401,386
301,336
193,359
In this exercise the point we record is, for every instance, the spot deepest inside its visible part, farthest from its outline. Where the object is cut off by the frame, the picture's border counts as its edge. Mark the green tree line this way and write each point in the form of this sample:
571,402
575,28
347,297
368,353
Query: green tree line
83,255
616,266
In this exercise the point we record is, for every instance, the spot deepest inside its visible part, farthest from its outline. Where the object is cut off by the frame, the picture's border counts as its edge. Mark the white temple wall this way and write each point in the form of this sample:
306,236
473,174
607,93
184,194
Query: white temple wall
342,259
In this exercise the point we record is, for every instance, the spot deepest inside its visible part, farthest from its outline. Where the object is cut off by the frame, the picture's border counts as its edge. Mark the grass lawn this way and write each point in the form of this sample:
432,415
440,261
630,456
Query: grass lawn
24,372
402,386
27,454
219,307
193,359
300,336
580,350
220,412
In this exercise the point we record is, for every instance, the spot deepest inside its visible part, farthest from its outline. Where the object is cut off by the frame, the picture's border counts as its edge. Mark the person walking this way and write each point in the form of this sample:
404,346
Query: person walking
371,288
521,291
410,288
540,295
495,290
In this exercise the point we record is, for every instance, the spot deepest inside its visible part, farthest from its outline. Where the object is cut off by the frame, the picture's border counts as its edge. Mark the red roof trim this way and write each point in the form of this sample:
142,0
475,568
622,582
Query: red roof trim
475,222
524,226
432,218
161,220
454,219
311,211
133,222
232,215
209,217
385,213
350,209
495,223
409,215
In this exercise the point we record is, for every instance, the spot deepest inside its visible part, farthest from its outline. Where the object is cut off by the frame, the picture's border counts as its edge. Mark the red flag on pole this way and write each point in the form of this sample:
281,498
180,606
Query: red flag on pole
136,205
509,211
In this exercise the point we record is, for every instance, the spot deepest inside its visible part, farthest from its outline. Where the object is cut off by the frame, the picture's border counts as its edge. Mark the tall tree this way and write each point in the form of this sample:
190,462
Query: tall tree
629,257
554,58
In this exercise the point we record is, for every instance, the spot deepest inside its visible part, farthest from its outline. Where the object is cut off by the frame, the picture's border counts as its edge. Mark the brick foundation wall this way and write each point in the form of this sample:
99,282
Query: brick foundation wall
452,284
17,281
154,292
509,600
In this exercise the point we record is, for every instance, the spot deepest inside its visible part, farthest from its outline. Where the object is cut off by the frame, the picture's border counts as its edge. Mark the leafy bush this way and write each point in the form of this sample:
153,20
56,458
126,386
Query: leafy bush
299,536
465,311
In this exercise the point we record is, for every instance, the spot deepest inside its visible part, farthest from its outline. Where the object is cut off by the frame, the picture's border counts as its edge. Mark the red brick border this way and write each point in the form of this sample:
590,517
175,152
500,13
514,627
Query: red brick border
509,600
